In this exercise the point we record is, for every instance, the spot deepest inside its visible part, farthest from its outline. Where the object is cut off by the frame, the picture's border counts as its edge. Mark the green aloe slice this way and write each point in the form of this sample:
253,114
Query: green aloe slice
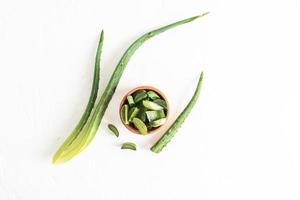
158,122
129,145
139,92
113,129
155,115
161,103
140,95
151,105
130,100
124,114
139,124
142,115
133,112
153,95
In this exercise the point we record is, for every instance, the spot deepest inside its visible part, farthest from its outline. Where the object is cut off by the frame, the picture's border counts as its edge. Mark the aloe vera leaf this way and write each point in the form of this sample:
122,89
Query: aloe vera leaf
130,100
168,135
90,105
139,124
124,114
153,95
151,105
158,122
155,115
128,145
133,112
89,133
113,129
161,103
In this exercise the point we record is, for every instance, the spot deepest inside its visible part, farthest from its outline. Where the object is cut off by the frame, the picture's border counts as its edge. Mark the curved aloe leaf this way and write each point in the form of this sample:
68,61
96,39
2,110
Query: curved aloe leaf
90,105
168,135
88,133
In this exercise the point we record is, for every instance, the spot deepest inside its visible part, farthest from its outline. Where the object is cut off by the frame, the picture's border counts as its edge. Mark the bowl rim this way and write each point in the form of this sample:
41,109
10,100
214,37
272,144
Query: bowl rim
144,87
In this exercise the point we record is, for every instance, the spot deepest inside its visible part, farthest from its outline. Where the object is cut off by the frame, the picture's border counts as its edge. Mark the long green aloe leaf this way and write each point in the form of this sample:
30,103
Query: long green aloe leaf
169,134
90,105
88,133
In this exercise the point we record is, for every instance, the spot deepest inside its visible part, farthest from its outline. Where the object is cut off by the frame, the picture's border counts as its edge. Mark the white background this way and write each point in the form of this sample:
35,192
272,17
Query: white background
241,141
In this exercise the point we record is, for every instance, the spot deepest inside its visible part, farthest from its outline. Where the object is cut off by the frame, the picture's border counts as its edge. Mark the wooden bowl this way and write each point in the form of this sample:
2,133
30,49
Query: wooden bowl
132,128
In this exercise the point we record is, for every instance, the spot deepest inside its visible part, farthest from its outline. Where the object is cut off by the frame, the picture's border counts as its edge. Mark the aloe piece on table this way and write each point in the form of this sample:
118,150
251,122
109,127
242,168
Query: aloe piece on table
90,105
151,105
168,135
140,125
130,100
113,129
129,145
152,95
161,103
124,114
84,138
155,115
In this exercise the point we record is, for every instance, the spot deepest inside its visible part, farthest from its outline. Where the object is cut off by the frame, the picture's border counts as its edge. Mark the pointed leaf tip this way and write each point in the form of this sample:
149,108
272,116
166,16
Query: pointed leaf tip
203,14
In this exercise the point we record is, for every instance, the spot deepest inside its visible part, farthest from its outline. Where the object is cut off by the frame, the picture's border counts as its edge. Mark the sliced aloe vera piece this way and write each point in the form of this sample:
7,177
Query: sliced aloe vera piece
158,122
139,124
124,114
130,100
139,95
129,145
161,103
113,129
153,95
139,92
140,105
155,115
133,113
151,105
142,114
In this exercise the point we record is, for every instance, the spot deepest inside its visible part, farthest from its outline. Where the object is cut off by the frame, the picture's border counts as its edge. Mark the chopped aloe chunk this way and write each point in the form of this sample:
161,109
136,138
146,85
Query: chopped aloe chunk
139,92
140,96
161,103
158,122
133,113
128,145
155,115
142,114
140,105
151,105
139,124
113,129
130,100
153,95
124,114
